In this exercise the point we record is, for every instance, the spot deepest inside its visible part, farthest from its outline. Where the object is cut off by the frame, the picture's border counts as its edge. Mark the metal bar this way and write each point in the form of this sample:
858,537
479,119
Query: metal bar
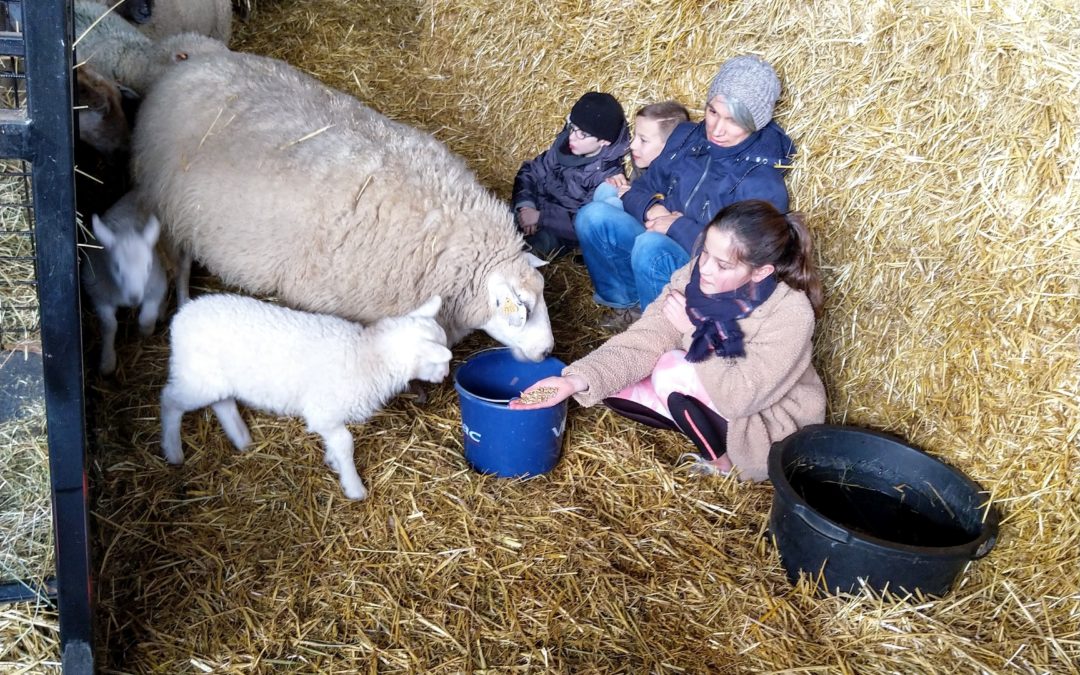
27,591
49,98
14,134
11,44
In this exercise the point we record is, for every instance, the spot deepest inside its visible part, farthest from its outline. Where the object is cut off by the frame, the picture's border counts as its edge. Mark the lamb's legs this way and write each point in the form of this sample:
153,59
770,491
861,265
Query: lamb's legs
232,423
107,316
149,311
339,457
172,411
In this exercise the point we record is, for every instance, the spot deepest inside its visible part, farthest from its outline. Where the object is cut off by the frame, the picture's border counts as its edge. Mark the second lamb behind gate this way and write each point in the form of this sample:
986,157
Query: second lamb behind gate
323,368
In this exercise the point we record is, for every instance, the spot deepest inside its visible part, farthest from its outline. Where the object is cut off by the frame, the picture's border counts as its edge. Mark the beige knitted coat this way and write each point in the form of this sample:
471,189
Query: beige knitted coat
765,395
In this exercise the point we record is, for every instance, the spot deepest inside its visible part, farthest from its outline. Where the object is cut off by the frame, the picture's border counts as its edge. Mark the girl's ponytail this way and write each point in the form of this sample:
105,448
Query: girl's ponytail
798,269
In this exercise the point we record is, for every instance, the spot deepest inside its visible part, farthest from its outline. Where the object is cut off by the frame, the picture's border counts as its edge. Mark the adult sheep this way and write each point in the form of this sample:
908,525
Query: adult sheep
281,185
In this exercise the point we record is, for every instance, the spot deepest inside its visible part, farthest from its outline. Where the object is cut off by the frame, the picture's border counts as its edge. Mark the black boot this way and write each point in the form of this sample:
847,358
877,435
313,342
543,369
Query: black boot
706,429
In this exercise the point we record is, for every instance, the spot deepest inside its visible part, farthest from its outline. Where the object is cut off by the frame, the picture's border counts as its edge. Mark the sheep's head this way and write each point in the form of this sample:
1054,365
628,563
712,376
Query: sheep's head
517,311
102,122
135,11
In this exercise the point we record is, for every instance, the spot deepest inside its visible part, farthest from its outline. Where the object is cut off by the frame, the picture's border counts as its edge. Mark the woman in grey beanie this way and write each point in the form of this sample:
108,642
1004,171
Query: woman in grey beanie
736,153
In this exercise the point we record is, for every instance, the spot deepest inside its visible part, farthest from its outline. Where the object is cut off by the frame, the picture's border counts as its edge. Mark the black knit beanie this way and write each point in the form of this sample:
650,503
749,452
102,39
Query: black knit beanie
600,115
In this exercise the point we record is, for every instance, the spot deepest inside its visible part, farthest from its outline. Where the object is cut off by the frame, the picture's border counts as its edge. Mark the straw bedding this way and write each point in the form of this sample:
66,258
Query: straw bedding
937,164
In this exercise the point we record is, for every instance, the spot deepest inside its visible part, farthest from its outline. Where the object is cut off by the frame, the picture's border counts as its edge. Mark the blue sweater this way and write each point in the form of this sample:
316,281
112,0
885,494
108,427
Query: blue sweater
698,178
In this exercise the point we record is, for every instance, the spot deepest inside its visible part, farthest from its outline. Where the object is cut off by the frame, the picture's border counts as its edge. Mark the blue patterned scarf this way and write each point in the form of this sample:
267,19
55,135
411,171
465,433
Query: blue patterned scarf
716,329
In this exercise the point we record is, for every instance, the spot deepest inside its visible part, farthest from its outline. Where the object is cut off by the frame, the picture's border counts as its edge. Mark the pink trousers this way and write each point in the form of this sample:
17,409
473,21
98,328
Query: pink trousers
671,373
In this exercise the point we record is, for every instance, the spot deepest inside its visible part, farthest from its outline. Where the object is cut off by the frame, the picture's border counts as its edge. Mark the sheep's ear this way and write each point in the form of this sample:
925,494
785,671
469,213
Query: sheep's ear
534,261
151,230
508,305
102,231
429,309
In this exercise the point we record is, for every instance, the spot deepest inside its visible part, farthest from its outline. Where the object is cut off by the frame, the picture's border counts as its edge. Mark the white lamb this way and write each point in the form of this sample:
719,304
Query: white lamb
283,186
117,49
323,368
125,272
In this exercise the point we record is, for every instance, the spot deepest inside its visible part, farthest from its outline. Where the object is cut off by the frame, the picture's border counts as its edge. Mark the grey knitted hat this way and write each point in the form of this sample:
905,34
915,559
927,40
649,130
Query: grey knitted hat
750,81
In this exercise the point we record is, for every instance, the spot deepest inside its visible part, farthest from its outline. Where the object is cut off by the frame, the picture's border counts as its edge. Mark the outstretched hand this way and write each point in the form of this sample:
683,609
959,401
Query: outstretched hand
548,392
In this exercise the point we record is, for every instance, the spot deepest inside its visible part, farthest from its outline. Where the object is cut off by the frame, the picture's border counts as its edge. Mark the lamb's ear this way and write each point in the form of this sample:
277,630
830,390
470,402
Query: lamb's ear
508,305
534,261
429,309
151,230
102,232
439,352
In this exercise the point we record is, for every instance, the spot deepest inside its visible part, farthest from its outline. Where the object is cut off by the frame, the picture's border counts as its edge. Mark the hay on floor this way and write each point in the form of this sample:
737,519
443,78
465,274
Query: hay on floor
937,162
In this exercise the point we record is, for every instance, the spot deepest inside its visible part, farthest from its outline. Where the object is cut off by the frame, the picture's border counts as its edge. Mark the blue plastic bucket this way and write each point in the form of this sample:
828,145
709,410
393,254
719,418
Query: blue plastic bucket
498,440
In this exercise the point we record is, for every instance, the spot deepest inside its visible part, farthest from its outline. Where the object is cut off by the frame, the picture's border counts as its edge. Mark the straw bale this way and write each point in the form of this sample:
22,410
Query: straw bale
29,639
938,165
26,551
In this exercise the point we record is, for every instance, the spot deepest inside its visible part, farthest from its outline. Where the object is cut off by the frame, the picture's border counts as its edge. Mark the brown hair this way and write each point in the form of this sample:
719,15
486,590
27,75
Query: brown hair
668,114
764,236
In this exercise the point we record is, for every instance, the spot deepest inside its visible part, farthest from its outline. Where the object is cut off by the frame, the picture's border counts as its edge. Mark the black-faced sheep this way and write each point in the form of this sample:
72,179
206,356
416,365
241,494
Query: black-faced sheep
281,185
102,148
323,368
117,50
125,272
135,11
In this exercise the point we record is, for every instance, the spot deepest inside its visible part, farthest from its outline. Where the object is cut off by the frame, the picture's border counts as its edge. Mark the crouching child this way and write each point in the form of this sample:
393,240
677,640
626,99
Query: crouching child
327,370
549,189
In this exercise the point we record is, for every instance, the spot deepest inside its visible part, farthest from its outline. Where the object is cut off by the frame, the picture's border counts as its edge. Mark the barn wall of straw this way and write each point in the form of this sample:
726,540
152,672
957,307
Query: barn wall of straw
938,165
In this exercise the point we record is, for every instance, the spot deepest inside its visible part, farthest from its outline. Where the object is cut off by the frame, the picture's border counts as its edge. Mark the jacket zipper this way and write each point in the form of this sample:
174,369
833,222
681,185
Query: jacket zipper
708,162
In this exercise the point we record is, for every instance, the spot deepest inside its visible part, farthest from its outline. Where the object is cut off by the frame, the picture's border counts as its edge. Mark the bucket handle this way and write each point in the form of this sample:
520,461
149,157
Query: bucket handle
985,547
821,525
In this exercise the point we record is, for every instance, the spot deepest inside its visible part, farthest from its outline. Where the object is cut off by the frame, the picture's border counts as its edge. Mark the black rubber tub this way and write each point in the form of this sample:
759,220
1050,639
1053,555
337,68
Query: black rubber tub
854,507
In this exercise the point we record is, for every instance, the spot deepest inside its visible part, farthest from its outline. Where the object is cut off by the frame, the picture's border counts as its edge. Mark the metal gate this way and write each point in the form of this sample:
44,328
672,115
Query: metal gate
38,136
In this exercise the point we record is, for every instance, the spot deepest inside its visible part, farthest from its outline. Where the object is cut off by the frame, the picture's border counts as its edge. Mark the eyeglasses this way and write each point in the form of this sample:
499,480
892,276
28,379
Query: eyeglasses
575,130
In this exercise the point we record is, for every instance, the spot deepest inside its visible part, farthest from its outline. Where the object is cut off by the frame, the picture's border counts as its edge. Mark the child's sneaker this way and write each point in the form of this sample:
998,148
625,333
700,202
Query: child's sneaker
620,319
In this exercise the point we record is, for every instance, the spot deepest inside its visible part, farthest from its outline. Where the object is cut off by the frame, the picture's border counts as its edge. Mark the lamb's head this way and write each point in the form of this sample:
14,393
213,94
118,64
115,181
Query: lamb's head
420,342
130,254
517,311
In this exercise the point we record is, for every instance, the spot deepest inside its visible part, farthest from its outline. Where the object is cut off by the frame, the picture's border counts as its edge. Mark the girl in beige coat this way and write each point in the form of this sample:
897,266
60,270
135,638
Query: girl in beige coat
725,355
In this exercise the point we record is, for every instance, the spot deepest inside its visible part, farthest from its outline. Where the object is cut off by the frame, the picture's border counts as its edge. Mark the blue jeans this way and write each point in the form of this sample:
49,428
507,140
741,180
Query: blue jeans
628,265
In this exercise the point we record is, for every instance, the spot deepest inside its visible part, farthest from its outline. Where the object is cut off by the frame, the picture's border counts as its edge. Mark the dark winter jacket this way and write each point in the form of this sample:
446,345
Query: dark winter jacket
698,178
557,183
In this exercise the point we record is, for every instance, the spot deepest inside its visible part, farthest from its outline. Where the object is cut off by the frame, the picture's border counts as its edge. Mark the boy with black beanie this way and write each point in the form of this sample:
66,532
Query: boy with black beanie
549,189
